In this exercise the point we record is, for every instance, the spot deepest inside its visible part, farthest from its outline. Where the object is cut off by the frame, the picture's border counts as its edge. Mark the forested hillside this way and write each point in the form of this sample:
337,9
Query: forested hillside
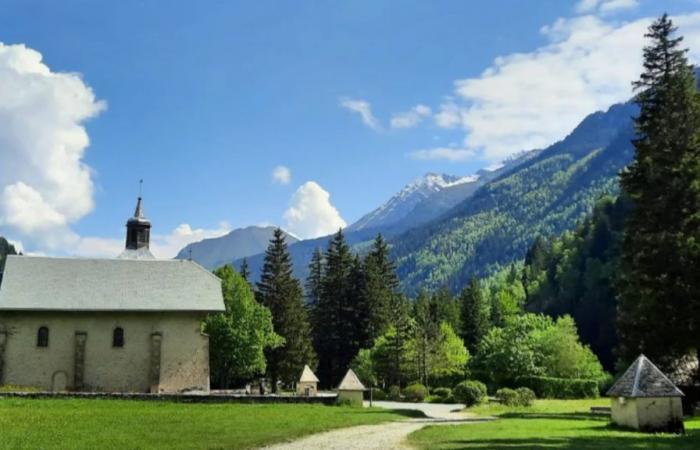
542,197
574,274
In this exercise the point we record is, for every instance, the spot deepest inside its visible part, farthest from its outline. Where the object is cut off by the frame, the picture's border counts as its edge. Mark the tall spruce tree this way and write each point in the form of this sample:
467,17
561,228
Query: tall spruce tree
245,270
381,286
314,281
659,288
426,330
283,295
336,335
476,315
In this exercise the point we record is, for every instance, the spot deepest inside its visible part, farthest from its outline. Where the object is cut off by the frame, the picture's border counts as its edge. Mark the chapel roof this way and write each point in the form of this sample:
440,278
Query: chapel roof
351,382
644,379
32,283
307,376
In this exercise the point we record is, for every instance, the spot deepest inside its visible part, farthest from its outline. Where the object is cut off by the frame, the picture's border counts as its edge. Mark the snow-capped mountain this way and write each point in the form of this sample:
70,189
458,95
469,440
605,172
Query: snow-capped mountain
429,196
402,203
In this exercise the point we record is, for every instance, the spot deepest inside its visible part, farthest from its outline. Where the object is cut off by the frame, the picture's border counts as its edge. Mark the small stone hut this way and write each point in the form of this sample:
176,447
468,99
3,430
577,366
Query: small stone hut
351,389
308,383
645,399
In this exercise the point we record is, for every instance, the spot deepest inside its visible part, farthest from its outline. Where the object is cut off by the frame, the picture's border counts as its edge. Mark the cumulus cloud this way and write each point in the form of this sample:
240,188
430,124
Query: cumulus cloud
162,245
311,214
364,109
605,6
44,184
410,118
281,175
530,100
443,153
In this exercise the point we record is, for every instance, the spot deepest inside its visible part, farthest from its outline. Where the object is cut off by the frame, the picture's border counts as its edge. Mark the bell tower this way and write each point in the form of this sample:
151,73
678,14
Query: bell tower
138,234
138,229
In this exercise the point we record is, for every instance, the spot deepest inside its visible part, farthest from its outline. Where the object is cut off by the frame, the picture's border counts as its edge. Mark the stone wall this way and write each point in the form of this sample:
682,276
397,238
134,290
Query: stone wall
162,352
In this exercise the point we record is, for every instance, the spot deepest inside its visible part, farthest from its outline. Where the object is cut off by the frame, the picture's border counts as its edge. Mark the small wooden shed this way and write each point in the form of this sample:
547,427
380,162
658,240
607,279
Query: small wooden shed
308,383
351,389
643,398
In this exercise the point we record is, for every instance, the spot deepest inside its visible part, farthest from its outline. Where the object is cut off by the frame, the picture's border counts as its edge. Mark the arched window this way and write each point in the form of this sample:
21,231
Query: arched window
118,337
42,337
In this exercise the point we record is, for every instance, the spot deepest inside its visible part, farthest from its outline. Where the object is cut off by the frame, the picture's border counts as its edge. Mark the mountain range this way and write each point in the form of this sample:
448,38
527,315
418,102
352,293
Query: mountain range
445,228
239,243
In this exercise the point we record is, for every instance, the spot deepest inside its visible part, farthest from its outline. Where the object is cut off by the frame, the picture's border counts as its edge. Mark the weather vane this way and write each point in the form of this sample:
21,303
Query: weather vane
140,186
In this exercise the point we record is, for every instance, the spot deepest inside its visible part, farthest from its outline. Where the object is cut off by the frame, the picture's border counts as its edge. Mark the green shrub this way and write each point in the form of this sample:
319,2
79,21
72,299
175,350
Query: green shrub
415,392
394,393
526,397
548,387
442,395
377,394
508,397
470,392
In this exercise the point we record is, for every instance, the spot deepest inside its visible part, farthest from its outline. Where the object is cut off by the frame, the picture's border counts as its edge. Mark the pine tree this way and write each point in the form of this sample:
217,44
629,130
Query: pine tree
659,289
381,284
335,328
426,331
245,270
314,282
283,295
445,307
476,315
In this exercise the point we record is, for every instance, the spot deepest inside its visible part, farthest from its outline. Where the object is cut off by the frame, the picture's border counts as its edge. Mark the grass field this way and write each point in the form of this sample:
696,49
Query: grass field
549,424
124,424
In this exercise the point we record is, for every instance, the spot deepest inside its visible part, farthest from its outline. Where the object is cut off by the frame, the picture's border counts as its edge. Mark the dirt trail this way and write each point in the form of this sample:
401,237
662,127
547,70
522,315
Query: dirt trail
386,436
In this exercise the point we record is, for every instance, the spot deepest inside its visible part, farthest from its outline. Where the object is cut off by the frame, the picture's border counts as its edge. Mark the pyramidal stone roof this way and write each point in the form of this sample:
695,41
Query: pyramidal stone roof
644,379
351,382
307,376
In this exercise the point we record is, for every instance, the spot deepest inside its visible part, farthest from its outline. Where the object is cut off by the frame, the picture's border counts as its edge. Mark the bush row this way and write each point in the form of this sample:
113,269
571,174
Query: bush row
521,396
548,387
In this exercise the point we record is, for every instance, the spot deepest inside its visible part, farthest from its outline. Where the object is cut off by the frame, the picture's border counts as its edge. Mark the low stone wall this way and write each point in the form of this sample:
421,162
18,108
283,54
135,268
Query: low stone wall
329,399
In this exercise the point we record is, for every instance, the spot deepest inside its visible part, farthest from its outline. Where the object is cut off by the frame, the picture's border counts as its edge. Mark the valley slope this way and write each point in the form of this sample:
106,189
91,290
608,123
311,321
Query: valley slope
546,195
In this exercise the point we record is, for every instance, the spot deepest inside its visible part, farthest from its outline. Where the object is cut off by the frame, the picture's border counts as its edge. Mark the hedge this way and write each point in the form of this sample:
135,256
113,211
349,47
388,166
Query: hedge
549,387
415,392
470,392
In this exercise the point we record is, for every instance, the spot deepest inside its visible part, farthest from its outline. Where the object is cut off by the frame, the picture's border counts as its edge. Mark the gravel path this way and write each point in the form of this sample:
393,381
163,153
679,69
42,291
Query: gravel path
387,436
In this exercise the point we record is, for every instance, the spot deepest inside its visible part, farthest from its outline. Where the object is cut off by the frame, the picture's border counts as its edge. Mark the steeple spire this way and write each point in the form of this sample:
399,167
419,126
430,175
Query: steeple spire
138,233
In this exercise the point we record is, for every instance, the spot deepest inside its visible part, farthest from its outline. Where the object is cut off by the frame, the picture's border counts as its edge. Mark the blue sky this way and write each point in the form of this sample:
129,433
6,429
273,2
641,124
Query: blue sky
205,99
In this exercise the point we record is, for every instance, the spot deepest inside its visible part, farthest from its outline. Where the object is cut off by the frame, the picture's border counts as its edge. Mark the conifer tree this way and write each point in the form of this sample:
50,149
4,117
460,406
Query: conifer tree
314,282
426,331
476,315
283,295
245,270
445,307
659,287
381,285
335,328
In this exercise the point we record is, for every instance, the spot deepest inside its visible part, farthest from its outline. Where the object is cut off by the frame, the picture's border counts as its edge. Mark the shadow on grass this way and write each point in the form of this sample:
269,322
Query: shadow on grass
562,416
688,441
410,413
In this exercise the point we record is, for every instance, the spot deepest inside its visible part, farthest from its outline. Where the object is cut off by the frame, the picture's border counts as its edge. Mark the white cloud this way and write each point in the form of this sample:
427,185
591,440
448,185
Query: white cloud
162,245
281,175
443,153
311,213
604,6
44,184
450,115
364,109
530,100
410,118
168,245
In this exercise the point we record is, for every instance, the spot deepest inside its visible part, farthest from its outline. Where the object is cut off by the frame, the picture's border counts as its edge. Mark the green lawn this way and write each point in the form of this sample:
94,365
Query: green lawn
125,424
549,424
